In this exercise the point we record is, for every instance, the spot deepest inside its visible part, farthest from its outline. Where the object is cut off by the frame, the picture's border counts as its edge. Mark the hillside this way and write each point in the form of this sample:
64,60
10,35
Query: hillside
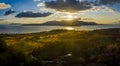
61,48
63,23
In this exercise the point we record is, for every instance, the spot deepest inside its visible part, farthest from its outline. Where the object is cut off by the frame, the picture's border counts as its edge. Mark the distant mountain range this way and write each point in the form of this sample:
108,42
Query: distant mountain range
63,23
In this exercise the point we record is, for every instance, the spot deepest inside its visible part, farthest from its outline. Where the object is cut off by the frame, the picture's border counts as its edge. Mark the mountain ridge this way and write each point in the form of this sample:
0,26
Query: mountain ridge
63,23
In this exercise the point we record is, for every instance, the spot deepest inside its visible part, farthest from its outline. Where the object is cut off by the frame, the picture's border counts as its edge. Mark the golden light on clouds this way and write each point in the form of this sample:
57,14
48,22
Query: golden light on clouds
69,17
4,6
69,28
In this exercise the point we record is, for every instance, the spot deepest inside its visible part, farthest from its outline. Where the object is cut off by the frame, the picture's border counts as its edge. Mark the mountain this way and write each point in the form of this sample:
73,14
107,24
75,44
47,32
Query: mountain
64,23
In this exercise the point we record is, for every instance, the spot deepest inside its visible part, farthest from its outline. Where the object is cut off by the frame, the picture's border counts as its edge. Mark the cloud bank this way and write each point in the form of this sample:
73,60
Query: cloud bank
77,5
69,5
32,14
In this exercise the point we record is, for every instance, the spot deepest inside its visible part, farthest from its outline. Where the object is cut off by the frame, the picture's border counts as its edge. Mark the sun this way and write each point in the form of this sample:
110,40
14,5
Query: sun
70,28
69,17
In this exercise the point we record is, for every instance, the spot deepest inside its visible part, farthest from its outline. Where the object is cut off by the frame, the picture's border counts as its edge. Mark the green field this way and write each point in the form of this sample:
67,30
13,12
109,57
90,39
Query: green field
61,48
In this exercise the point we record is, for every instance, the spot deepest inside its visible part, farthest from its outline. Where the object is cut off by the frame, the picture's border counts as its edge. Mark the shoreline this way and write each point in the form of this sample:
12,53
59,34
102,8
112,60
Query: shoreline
57,30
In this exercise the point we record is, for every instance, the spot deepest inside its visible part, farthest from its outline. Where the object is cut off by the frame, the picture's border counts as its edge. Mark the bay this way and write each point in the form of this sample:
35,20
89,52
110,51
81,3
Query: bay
33,29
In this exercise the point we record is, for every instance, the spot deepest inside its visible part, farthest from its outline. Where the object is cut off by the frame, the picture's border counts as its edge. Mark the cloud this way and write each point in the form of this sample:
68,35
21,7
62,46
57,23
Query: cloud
4,6
43,8
10,11
42,4
75,5
43,0
104,9
32,14
37,0
69,5
109,1
1,20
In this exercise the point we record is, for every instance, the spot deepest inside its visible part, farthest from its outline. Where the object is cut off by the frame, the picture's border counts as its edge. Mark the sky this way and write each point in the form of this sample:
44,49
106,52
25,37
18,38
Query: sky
40,11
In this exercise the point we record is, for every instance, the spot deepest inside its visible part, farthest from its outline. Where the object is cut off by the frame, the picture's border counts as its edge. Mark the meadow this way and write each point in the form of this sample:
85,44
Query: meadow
61,48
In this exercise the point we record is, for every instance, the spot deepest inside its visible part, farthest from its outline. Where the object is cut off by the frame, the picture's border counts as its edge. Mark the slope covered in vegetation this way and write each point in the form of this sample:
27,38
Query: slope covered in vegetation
61,47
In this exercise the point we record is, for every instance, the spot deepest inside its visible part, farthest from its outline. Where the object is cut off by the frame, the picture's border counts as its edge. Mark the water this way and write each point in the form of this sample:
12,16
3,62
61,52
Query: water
33,29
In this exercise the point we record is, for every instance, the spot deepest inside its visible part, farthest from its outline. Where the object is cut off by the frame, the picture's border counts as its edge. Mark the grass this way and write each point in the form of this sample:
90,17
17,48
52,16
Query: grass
71,48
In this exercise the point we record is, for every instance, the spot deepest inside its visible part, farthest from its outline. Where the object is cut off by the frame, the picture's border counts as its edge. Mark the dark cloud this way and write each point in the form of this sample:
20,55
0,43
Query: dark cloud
109,2
31,14
77,5
10,11
69,5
